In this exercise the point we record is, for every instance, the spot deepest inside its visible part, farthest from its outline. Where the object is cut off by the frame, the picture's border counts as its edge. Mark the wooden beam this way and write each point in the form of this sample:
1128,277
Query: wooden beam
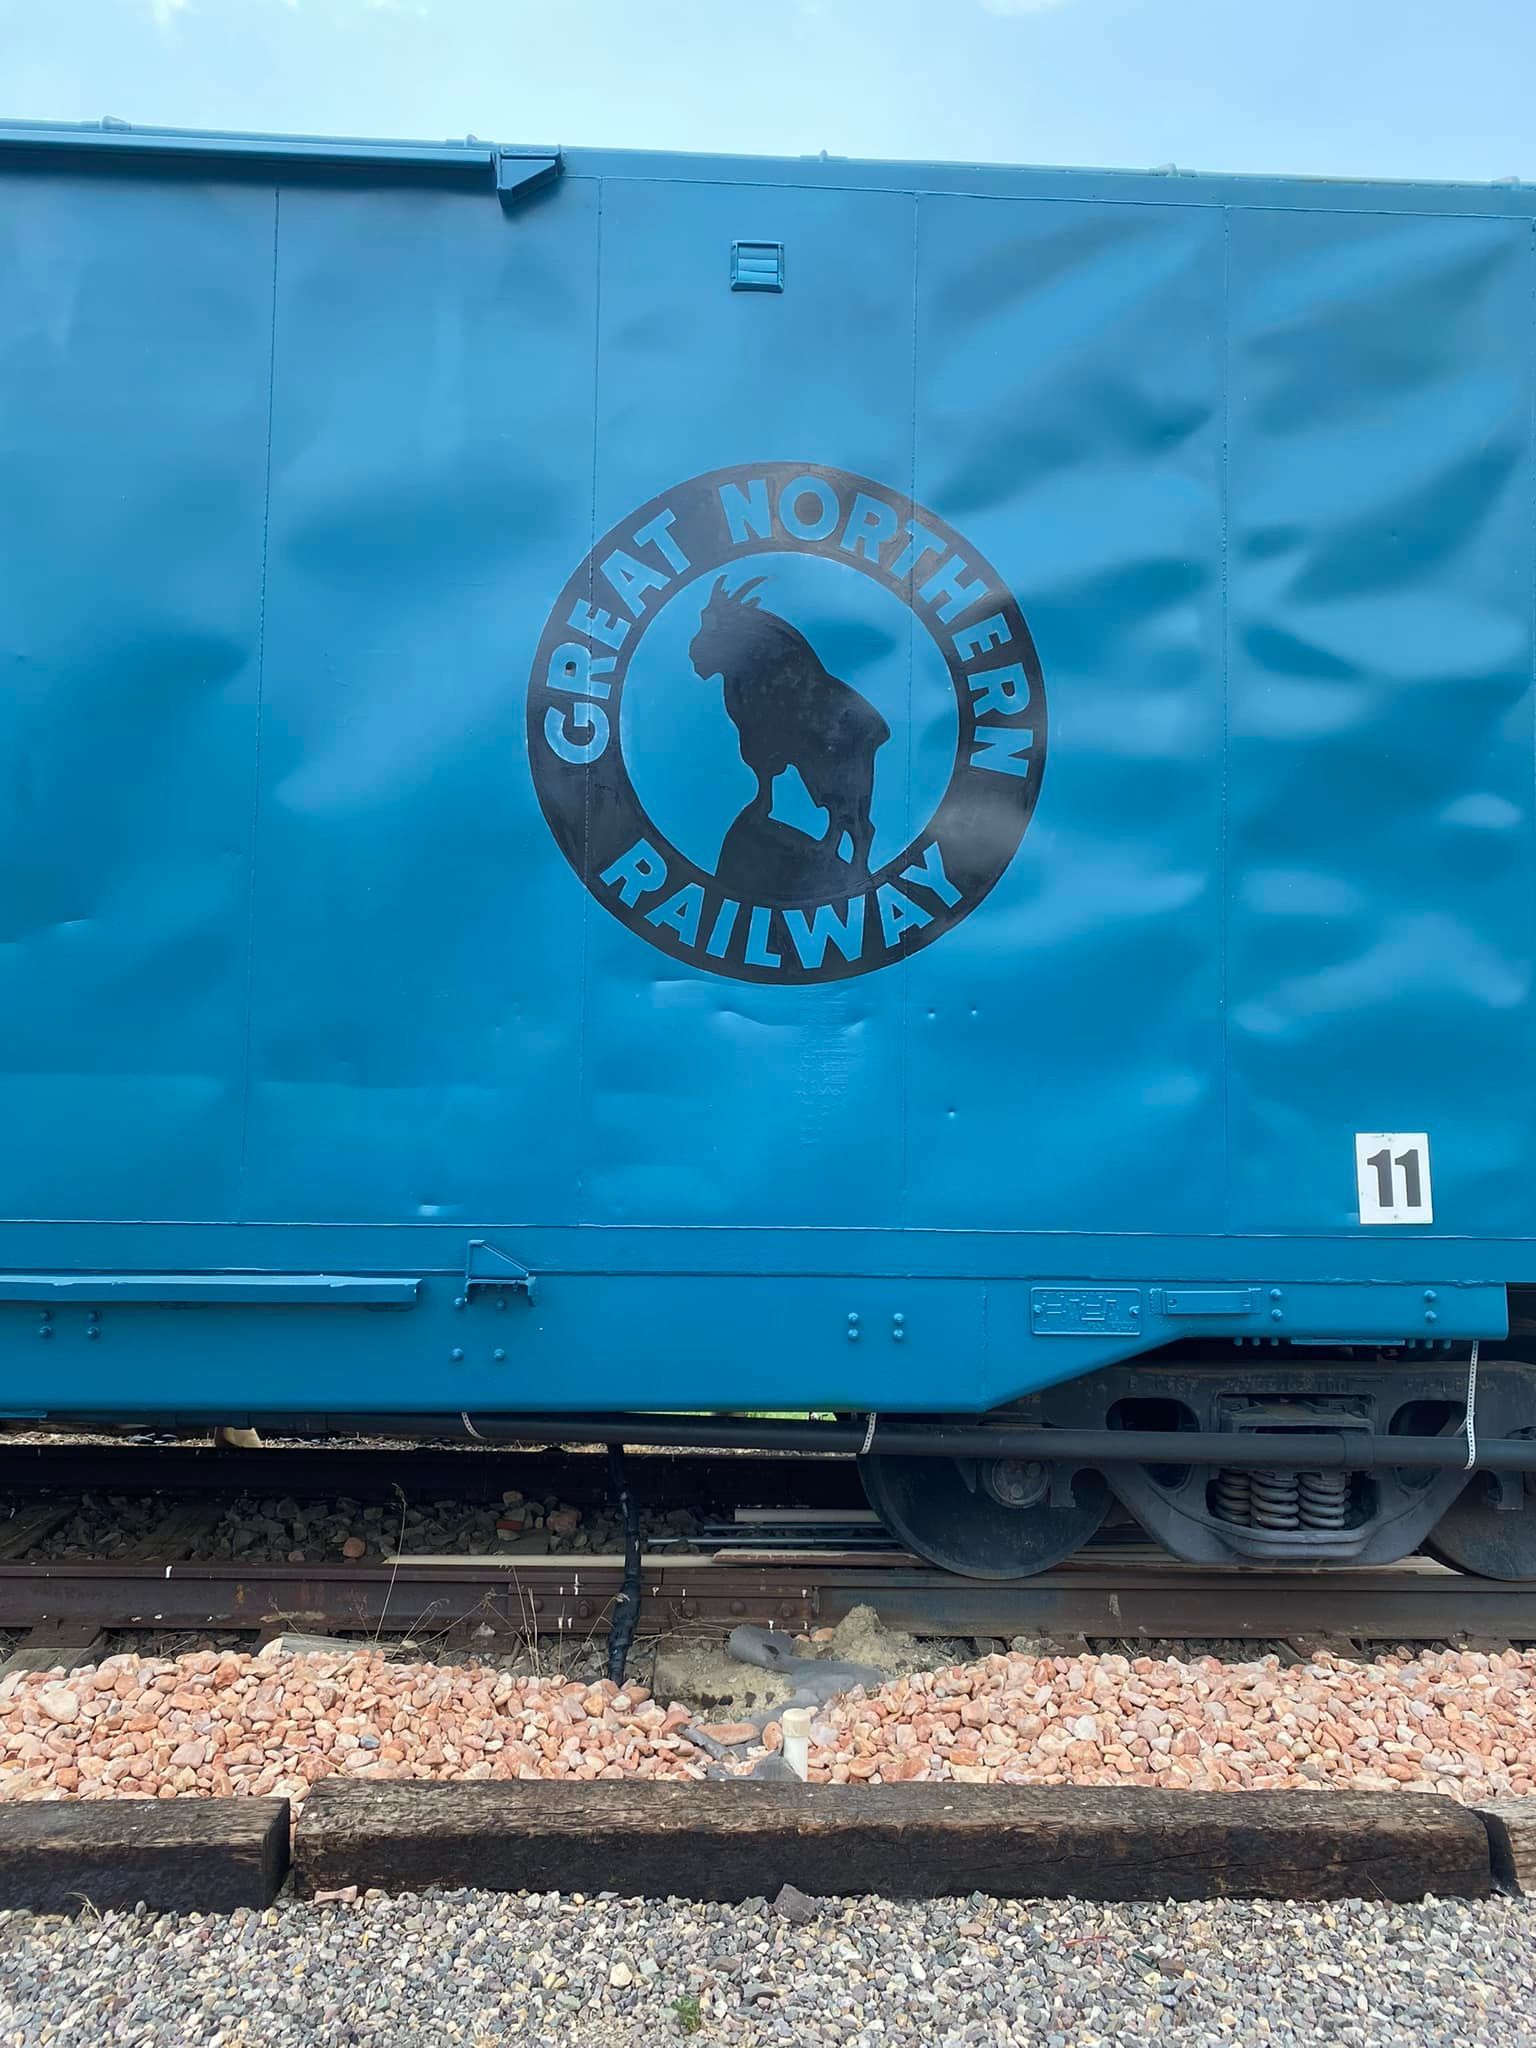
1512,1837
738,1839
57,1646
172,1536
29,1526
177,1855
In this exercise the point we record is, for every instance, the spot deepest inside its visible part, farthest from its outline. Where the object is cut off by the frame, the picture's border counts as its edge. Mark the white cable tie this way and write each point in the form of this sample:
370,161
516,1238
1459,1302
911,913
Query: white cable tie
464,1418
869,1434
1472,1406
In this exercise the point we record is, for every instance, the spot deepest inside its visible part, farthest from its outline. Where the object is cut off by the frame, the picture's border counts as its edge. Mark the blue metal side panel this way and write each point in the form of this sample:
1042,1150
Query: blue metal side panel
1223,456
710,1100
1066,1039
135,331
415,1015
1382,896
591,1342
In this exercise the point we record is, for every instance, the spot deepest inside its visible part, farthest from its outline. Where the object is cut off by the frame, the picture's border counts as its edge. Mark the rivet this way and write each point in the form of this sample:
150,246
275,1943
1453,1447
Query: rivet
460,1301
898,1317
1430,1316
456,1353
45,1331
899,1335
853,1335
1277,1315
45,1315
93,1315
93,1333
1430,1294
1275,1294
499,1355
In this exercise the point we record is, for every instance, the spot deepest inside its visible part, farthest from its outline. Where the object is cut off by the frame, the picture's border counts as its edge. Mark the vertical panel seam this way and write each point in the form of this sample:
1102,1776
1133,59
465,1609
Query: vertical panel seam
1226,717
1530,456
261,680
904,1213
586,848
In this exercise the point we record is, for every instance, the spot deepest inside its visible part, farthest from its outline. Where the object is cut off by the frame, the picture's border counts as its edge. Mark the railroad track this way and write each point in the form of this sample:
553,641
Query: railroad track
1111,1592
1120,1596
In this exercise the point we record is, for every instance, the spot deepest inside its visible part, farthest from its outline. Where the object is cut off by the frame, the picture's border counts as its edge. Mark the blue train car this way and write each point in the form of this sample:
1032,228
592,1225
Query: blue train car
640,784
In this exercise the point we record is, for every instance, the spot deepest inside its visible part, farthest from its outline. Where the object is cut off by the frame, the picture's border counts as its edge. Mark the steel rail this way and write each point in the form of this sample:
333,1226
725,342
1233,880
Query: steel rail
1093,1595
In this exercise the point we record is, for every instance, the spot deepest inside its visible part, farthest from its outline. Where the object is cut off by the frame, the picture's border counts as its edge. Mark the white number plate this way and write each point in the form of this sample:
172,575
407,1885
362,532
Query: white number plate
1392,1173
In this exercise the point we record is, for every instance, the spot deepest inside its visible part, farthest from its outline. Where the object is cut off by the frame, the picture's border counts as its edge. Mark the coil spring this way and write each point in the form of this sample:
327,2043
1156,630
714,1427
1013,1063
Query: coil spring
1273,1499
1324,1499
1234,1495
1276,1499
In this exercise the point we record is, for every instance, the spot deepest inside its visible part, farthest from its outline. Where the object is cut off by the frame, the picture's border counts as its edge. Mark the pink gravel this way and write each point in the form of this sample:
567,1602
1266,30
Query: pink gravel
1456,1722
228,1723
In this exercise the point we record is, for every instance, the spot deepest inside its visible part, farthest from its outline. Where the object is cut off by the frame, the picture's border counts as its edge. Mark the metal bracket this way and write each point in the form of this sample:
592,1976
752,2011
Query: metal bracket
485,1266
518,173
1206,1301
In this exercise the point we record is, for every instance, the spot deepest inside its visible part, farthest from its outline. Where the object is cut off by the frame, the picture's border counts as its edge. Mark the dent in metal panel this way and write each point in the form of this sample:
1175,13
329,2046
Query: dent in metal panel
707,1097
1381,755
135,328
415,1003
1066,1039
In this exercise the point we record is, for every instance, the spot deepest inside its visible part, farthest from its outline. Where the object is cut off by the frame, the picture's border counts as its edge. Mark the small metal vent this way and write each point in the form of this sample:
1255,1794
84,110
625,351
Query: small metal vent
757,266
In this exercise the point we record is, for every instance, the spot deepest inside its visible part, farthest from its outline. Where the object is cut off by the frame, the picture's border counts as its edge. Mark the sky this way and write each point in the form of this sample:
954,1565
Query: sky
1384,88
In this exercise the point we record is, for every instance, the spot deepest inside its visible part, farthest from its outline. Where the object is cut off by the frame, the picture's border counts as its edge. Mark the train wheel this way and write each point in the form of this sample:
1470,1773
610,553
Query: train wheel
1479,1536
985,1518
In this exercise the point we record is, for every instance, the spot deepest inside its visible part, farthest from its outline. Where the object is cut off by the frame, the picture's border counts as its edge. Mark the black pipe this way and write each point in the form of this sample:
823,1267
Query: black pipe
1293,1450
626,1608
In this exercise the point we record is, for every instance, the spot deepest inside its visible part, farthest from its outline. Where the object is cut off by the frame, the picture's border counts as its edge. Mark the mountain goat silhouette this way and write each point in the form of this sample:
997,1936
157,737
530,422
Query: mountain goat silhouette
789,712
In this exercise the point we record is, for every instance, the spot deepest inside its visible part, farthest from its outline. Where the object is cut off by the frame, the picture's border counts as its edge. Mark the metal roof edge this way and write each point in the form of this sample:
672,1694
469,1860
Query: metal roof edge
473,160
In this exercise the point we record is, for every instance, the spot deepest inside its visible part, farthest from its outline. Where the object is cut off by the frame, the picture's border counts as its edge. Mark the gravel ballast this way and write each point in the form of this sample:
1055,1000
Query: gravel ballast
277,1530
226,1722
483,1970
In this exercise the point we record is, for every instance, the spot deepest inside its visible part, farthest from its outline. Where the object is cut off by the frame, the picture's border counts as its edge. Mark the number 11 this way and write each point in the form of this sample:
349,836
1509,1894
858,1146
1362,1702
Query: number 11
1413,1195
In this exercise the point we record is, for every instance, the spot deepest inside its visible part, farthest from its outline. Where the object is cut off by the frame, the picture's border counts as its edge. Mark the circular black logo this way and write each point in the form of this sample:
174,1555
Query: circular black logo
786,724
